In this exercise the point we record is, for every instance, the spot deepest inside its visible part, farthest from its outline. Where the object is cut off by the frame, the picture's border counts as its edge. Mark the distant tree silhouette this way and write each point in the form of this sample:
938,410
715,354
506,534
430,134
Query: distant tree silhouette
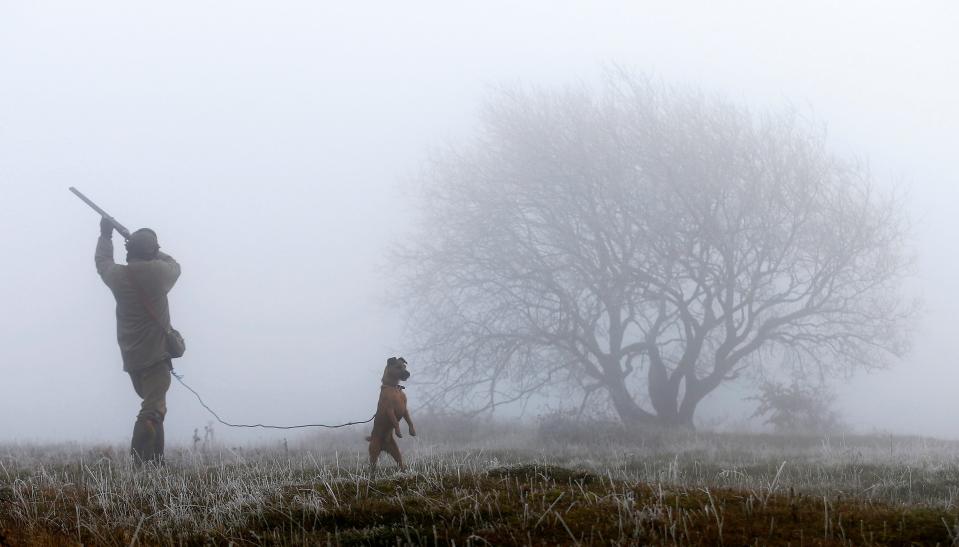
645,244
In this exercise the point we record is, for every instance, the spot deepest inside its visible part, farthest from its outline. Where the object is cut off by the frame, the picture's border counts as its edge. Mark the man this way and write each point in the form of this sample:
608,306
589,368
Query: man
143,318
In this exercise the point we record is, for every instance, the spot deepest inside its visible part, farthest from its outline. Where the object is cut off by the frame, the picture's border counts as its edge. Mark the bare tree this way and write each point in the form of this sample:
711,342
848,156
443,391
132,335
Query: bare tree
647,244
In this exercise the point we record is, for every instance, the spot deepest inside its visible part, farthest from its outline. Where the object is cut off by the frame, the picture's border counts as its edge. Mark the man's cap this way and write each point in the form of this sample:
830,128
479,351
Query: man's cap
143,242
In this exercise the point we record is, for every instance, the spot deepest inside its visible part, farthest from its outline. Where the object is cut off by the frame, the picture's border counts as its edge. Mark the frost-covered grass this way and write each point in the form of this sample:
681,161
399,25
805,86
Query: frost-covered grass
509,485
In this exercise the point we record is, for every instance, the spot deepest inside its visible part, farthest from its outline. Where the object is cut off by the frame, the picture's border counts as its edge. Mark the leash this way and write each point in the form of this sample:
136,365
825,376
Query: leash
179,378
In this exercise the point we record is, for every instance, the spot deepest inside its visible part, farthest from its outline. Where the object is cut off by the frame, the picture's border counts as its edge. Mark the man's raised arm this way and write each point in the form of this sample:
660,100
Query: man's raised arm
170,271
104,254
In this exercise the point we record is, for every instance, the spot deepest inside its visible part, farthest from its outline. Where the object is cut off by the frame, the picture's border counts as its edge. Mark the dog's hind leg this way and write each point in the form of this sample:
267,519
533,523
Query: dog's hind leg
394,450
376,446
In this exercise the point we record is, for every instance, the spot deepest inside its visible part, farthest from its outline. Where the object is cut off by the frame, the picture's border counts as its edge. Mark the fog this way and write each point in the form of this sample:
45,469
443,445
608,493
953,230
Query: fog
268,145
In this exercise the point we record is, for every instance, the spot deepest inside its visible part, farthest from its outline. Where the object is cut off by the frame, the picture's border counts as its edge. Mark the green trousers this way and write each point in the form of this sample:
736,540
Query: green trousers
151,384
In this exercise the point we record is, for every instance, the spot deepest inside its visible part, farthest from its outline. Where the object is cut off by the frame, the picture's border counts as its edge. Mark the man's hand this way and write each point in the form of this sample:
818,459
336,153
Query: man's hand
106,227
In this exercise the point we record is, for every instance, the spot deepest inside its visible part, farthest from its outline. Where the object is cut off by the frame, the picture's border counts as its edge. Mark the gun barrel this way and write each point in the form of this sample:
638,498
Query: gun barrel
87,200
121,229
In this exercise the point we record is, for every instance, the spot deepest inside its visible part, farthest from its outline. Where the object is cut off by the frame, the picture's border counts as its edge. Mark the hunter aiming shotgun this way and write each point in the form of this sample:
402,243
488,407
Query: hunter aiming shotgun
121,229
147,341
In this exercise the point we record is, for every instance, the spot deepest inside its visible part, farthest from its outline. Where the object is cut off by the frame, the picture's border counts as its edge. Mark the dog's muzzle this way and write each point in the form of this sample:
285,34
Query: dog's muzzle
406,375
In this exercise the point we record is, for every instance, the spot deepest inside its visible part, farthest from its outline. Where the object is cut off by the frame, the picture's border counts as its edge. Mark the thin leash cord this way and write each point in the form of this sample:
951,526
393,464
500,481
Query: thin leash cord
179,378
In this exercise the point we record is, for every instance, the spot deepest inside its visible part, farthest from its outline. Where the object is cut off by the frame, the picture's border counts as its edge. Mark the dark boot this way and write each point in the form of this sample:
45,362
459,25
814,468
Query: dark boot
158,443
143,442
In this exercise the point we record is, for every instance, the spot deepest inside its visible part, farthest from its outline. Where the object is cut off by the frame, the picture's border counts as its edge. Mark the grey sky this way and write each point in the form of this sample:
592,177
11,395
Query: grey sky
266,143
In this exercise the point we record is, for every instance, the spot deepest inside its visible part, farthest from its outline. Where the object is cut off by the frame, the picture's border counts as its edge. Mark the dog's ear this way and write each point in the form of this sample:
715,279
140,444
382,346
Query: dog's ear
391,362
402,360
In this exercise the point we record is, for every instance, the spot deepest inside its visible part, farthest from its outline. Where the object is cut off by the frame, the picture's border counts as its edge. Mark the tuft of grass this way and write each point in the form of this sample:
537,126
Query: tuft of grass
532,472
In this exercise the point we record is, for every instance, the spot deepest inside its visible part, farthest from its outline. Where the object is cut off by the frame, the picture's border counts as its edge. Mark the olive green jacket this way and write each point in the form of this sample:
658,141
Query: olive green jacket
142,339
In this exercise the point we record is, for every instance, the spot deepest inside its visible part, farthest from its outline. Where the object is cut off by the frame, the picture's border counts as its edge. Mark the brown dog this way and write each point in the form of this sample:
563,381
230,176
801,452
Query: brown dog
389,410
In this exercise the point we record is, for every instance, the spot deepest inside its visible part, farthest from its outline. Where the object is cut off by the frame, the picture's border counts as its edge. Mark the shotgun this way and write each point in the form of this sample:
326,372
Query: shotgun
121,229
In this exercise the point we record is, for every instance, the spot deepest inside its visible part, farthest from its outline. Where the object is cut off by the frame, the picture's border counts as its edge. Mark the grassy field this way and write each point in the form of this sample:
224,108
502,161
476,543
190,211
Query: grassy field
506,486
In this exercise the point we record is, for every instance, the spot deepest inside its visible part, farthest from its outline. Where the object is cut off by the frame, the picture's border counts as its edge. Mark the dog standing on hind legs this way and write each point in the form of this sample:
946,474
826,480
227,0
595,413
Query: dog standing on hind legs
389,410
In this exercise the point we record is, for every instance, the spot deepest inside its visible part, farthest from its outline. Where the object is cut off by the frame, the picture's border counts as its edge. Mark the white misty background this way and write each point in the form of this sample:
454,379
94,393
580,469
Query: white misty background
267,145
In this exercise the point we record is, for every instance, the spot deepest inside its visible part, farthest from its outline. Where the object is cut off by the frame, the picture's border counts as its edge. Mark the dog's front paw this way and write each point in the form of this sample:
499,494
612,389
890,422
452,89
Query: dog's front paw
399,435
412,432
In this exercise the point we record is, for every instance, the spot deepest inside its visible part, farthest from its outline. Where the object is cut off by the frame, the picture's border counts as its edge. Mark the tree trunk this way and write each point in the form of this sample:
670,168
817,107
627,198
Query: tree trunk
662,394
670,411
629,412
694,394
